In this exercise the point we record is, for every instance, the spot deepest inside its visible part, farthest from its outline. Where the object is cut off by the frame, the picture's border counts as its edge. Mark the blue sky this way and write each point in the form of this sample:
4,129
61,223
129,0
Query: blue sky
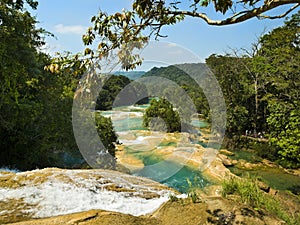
68,20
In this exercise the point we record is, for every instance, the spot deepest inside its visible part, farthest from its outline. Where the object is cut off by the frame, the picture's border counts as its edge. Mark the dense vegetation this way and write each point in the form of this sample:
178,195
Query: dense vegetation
118,90
262,91
161,116
35,104
111,88
180,74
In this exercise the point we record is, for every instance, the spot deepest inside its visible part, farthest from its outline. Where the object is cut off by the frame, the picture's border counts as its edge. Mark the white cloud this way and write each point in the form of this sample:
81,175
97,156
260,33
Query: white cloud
73,29
171,45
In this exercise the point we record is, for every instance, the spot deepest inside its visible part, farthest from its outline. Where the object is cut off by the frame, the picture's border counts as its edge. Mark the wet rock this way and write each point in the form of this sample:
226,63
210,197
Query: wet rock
216,171
272,191
235,162
263,186
225,160
226,152
268,163
51,192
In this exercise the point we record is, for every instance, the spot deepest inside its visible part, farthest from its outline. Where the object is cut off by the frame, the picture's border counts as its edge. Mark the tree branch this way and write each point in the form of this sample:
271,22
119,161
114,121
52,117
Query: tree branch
282,15
243,16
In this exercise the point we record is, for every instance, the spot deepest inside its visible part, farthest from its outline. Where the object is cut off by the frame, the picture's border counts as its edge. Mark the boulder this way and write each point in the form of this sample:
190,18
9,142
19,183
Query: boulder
225,160
226,152
263,186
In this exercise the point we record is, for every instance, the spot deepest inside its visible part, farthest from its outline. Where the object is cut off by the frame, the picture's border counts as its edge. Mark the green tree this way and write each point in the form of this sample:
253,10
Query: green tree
36,104
234,81
110,90
284,122
280,50
20,74
106,133
160,115
180,75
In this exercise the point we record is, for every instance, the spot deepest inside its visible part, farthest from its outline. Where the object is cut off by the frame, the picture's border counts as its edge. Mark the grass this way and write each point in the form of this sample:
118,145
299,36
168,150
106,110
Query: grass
192,191
250,193
173,198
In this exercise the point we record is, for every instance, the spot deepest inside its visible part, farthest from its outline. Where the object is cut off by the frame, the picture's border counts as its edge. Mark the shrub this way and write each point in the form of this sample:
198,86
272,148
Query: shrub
250,193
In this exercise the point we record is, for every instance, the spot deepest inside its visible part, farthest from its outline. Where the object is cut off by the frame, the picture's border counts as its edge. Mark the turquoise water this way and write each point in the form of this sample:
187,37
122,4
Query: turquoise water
171,173
166,172
199,123
127,124
179,181
176,175
274,177
136,123
246,155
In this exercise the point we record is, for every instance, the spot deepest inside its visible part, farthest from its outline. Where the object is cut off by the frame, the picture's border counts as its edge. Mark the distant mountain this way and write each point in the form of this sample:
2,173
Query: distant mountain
132,75
188,77
181,74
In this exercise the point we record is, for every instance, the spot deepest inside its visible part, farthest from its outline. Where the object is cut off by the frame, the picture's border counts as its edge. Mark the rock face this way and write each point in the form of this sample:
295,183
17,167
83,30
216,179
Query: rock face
51,192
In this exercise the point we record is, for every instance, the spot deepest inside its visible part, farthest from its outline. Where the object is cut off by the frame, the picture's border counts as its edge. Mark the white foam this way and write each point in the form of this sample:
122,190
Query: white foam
55,197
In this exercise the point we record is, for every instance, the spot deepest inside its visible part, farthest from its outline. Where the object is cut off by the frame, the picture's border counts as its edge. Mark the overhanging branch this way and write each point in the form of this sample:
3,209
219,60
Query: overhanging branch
245,15
281,15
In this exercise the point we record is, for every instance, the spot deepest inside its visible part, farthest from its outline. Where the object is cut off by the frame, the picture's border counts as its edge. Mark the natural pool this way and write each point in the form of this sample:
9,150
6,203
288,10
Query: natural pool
127,122
170,173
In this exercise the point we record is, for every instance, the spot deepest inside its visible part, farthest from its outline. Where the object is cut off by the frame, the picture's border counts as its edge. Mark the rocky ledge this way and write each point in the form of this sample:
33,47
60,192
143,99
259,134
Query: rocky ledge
52,192
89,197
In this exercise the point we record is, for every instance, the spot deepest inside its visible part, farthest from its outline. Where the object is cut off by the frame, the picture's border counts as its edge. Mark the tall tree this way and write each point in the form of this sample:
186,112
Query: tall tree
280,51
161,116
19,78
234,81
36,104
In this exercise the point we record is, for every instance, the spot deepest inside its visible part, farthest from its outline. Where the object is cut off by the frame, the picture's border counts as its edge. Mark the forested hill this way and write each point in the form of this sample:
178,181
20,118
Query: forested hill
181,73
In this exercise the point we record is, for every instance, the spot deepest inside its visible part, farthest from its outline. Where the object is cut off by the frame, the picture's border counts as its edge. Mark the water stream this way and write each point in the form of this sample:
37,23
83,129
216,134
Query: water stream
141,144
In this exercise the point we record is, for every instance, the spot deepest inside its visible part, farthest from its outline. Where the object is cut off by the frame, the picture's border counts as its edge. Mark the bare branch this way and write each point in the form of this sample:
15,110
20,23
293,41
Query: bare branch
242,16
282,15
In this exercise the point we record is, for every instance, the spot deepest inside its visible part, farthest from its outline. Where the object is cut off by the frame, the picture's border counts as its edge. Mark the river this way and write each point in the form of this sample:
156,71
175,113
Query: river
140,149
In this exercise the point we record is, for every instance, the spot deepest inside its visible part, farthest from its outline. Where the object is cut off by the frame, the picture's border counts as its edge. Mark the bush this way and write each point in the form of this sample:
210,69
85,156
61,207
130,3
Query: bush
250,193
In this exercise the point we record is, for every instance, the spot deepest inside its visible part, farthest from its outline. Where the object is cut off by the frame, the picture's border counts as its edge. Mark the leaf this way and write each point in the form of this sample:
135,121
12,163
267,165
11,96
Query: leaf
87,51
